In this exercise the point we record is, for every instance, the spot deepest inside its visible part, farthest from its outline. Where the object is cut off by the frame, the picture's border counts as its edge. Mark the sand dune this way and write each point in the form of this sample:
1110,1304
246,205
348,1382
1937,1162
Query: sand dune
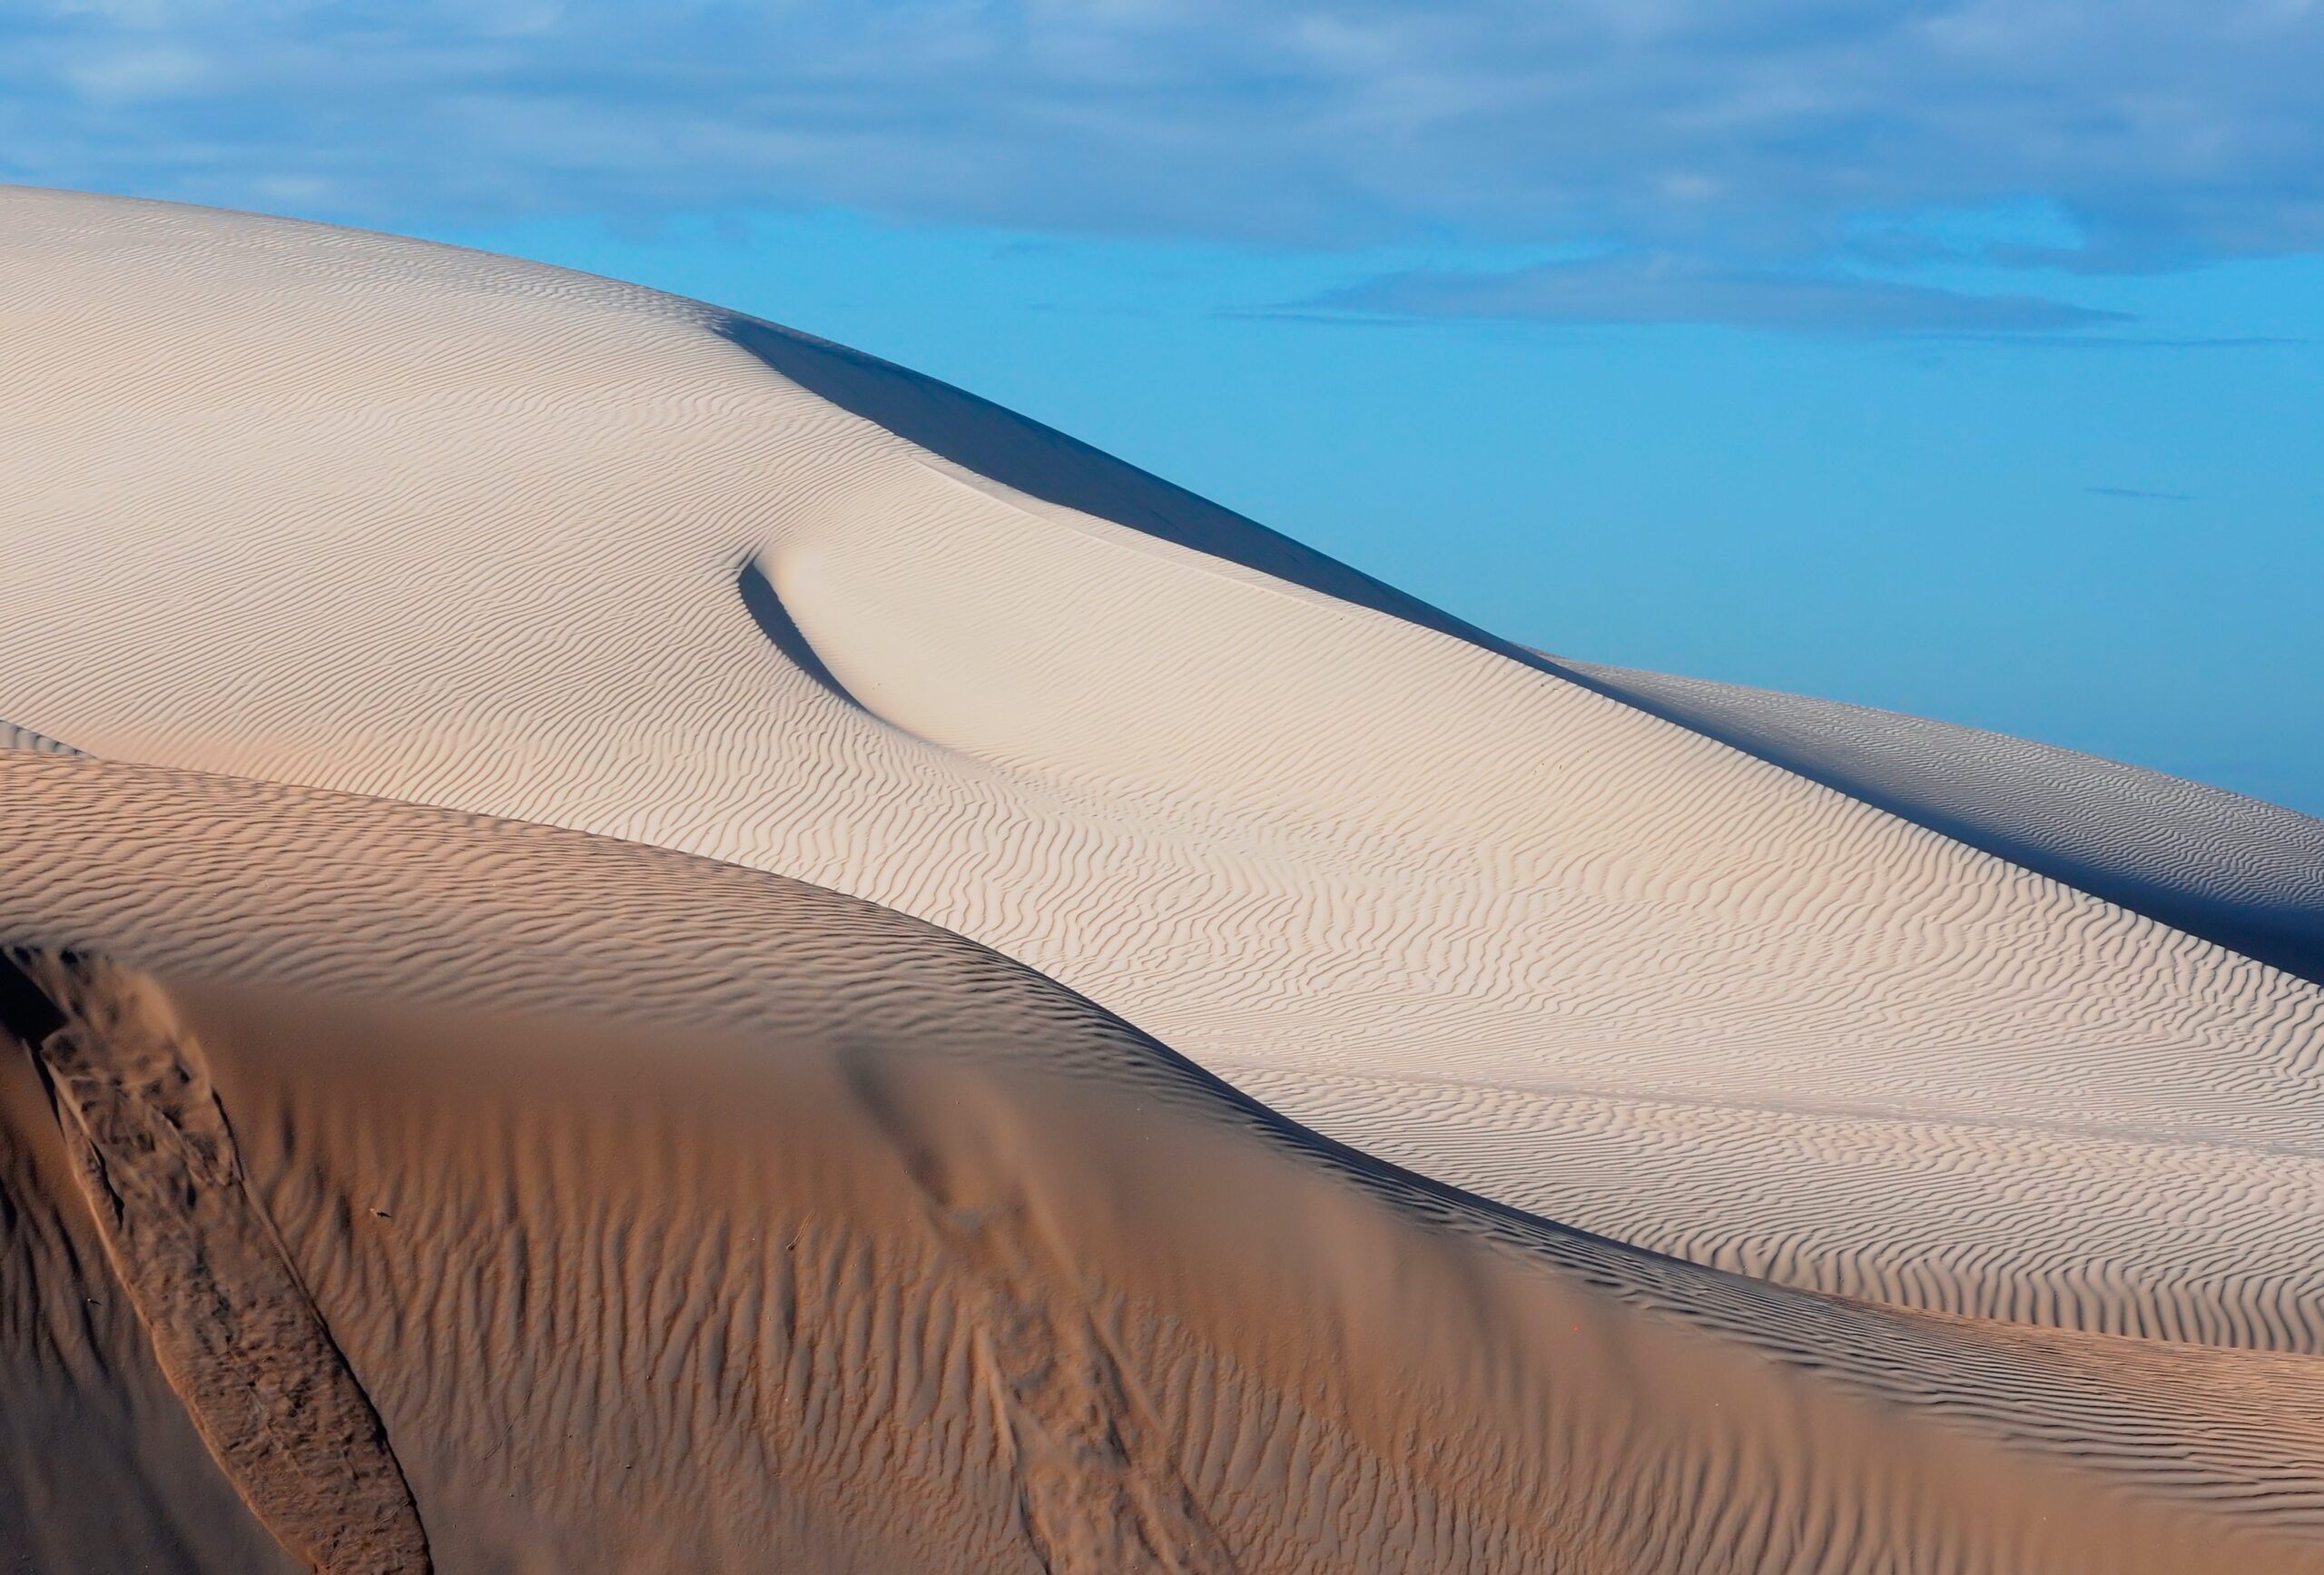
314,507
2246,874
673,1214
553,1196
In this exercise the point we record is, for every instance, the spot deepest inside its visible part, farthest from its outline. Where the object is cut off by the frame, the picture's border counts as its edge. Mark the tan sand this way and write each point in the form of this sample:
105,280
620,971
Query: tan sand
578,1205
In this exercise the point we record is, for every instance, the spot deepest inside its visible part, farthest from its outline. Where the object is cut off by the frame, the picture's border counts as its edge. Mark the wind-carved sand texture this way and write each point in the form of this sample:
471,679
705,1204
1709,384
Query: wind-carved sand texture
2021,1046
678,1216
230,1322
2246,874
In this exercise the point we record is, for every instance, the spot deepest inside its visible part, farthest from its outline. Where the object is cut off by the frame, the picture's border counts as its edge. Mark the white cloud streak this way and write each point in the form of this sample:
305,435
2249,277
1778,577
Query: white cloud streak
1749,135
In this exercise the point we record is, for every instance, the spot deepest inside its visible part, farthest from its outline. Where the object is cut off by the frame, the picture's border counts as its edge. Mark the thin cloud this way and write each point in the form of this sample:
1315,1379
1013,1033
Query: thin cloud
1756,132
1630,291
2132,341
2142,495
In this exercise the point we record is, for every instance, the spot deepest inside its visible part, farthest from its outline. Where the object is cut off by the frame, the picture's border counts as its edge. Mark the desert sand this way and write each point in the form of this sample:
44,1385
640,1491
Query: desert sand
578,868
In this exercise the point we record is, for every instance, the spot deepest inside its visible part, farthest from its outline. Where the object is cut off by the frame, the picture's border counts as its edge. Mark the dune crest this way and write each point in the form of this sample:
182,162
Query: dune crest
2247,875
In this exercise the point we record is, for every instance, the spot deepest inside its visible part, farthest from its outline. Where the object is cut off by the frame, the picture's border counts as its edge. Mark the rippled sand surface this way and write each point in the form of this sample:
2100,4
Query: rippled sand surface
578,868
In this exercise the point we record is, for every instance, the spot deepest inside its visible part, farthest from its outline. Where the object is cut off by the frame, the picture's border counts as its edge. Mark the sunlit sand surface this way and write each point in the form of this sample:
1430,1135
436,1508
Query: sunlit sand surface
580,869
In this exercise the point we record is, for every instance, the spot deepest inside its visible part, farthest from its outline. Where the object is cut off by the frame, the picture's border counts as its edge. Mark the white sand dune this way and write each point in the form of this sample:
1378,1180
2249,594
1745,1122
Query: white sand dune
665,1215
1842,1001
315,507
2246,874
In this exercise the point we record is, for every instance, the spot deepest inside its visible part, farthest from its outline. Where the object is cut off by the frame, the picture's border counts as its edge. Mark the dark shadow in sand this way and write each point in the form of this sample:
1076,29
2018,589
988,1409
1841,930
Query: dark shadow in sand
1042,462
775,621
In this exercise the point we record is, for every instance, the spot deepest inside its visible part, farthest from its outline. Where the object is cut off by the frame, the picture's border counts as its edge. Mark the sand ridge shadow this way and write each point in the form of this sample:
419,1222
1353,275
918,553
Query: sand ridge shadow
1042,462
764,603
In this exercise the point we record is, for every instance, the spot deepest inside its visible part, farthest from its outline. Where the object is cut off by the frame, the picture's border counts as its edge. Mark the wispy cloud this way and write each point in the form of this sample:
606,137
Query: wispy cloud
1628,290
2142,495
1760,132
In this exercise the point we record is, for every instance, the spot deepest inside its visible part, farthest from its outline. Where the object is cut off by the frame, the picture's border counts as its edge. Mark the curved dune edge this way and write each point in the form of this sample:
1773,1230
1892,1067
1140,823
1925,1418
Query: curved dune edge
677,1215
2245,874
307,506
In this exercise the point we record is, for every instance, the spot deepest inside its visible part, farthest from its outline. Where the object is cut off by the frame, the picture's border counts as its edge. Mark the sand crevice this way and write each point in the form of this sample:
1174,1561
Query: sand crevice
232,1327
1098,1488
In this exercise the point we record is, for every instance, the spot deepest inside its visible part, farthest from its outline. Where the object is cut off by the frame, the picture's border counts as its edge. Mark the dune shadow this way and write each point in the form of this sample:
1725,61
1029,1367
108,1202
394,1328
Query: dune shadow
24,738
25,1011
764,603
1042,462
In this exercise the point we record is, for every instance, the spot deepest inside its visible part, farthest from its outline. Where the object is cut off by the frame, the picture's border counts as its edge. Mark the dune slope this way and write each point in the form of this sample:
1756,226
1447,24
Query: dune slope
316,508
2232,870
597,1207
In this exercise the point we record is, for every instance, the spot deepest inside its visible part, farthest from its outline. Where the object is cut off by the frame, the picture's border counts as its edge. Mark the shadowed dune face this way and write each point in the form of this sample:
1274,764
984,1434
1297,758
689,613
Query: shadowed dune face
15,737
333,509
997,446
229,1322
668,1215
101,1465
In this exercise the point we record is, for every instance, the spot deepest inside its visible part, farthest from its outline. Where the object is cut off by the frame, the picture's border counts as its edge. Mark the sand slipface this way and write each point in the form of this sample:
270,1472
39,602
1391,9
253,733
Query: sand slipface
388,1184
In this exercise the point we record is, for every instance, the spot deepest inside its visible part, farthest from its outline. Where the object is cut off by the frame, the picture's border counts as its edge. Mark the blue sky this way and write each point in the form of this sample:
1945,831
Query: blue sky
1959,356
